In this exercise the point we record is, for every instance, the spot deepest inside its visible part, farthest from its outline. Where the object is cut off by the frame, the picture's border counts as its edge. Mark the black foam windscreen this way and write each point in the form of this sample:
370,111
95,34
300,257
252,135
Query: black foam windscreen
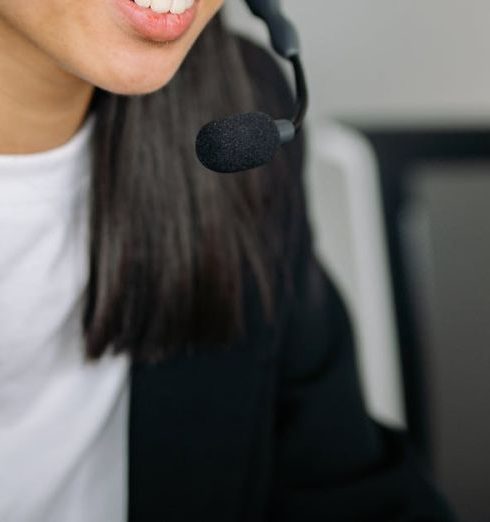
240,142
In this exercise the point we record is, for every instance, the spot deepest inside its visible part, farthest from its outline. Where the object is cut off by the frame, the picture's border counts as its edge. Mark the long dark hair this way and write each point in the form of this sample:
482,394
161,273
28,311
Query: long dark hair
169,240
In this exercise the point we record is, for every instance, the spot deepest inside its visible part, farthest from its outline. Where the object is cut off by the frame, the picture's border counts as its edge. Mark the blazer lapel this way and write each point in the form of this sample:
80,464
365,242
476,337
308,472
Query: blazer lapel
190,431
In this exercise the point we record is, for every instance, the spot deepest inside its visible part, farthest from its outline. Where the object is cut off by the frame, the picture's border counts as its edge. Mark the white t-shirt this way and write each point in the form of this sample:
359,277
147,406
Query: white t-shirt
63,422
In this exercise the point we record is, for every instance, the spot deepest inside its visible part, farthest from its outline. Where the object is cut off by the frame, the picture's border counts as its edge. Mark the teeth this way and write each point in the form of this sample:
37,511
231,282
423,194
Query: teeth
178,6
161,6
166,6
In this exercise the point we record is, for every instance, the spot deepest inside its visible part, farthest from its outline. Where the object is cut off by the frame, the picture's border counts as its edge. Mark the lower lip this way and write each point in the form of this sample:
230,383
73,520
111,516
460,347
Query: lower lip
159,27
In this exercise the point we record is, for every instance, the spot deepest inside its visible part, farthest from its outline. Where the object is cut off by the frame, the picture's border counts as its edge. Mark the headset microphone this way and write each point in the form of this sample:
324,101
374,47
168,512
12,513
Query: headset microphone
245,141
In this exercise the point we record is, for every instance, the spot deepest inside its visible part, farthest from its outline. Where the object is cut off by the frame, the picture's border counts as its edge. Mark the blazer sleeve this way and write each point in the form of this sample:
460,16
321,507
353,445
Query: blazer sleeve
334,463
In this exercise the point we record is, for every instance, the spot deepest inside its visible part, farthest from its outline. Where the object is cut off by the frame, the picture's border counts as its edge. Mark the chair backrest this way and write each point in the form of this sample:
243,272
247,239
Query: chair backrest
345,212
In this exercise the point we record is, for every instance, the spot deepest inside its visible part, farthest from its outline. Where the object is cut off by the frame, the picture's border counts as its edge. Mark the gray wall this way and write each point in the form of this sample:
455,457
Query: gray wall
392,59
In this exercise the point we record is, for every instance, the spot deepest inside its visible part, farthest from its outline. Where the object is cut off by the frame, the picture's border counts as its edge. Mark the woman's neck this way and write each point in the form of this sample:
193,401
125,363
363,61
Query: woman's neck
41,105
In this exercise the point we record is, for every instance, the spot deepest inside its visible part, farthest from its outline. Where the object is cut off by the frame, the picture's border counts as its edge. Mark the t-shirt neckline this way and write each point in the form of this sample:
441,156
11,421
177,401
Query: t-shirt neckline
47,176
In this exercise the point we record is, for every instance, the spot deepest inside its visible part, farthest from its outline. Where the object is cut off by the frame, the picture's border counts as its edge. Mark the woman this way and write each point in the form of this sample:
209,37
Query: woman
170,348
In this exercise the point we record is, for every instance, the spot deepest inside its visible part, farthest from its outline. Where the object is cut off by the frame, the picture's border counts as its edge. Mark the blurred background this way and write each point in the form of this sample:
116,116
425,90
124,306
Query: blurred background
398,180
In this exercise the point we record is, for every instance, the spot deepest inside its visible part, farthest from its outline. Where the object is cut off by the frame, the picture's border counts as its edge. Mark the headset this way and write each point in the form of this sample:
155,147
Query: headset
245,141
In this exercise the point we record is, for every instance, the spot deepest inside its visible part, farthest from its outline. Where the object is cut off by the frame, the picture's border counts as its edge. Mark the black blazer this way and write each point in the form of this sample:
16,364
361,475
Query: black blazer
274,429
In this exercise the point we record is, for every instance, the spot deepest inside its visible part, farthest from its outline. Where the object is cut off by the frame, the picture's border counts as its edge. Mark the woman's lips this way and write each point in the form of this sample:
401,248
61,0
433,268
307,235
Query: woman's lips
159,27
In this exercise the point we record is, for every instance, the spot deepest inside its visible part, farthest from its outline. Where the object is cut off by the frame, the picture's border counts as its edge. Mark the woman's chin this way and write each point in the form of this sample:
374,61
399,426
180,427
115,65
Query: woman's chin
134,87
138,79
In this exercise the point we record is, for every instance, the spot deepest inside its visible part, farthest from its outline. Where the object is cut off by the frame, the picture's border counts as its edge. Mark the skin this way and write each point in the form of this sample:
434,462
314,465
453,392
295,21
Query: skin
54,54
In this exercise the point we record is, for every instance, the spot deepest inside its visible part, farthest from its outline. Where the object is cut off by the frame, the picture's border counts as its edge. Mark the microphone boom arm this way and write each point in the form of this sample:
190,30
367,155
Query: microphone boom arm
285,41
